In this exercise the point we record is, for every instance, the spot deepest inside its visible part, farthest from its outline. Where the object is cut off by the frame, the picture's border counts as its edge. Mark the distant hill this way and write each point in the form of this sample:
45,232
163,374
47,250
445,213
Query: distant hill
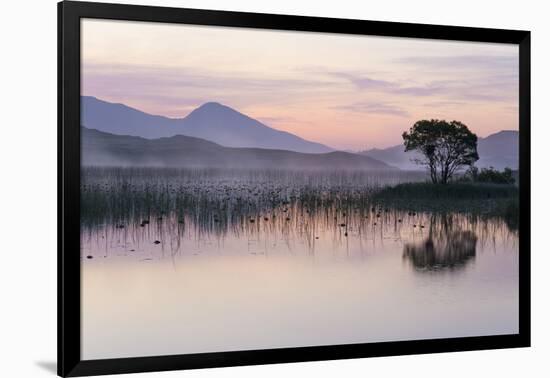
211,121
105,149
395,156
499,150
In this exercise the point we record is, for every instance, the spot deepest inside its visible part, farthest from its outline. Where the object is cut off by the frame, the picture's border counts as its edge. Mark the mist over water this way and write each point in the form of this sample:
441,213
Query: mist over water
188,261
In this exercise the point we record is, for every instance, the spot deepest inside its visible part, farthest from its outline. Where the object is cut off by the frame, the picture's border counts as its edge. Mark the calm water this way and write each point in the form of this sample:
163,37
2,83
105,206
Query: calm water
294,278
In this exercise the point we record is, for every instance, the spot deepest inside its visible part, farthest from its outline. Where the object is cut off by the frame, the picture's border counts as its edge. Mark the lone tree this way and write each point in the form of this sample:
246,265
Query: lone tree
445,146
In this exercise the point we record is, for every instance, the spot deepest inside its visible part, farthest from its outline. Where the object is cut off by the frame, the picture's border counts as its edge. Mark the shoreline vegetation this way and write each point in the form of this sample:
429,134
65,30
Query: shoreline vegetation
215,200
484,199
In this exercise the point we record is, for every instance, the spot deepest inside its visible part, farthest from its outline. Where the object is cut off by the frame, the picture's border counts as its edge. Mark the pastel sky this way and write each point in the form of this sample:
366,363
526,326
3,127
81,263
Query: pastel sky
349,92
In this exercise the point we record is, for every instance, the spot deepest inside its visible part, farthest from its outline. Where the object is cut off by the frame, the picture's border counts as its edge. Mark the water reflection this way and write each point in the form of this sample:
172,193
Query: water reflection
197,289
170,269
455,251
429,241
446,247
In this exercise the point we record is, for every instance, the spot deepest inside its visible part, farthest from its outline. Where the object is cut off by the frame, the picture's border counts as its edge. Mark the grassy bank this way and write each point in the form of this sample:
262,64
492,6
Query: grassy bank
479,198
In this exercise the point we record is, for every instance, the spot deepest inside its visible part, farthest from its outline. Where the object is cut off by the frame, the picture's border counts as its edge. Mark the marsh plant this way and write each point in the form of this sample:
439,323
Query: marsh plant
118,196
166,206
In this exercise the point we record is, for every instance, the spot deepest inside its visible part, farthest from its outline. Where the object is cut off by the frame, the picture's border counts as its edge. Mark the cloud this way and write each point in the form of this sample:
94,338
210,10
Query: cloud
374,108
173,90
368,83
465,62
364,82
151,77
491,88
444,104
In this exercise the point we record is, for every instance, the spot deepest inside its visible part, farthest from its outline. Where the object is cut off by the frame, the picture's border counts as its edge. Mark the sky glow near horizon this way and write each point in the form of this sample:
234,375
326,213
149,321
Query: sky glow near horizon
345,91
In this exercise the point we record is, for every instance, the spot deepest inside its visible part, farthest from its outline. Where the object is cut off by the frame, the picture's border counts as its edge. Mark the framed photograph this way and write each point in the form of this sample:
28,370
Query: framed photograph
240,188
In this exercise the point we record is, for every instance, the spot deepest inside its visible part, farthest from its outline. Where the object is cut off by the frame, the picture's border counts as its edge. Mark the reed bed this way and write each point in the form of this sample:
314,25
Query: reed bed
213,198
147,202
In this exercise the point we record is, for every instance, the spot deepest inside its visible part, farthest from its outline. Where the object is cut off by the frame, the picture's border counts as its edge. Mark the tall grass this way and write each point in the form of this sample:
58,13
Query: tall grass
129,206
221,201
121,195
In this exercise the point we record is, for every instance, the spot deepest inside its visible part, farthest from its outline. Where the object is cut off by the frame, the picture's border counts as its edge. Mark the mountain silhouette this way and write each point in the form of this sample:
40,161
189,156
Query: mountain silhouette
105,149
211,121
499,150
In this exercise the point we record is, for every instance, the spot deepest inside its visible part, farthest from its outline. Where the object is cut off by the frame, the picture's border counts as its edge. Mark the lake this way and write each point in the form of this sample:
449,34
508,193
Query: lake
189,262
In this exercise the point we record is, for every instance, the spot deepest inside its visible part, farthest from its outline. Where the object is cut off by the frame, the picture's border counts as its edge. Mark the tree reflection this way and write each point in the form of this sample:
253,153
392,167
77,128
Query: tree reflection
445,248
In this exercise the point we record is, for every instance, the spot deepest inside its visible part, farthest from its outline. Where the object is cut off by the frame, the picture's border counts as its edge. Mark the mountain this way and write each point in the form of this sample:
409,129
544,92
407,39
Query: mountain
105,149
395,156
123,120
211,121
499,150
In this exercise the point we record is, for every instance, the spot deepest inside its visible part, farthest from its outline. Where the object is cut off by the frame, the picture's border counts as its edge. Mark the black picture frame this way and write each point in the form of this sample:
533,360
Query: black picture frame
69,15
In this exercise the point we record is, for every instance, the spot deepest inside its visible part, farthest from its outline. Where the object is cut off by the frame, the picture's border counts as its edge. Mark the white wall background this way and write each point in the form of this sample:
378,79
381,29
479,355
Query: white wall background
28,186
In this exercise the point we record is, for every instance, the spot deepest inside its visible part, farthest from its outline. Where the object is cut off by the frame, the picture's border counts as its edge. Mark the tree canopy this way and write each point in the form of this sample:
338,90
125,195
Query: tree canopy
445,147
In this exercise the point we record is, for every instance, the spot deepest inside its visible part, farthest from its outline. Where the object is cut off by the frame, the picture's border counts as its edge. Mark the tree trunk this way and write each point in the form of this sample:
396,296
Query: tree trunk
433,173
445,174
